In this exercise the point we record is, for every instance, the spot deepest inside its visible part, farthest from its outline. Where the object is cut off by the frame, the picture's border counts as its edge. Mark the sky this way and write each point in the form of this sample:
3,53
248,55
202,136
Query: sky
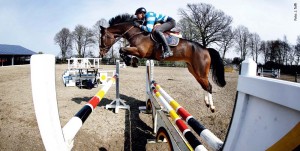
34,23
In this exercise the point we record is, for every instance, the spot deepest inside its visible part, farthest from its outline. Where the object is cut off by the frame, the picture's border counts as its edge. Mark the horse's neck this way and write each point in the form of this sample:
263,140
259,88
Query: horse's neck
119,29
115,30
131,34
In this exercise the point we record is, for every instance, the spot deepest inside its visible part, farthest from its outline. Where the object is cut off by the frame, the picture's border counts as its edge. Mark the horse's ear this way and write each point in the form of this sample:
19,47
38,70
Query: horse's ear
134,17
102,28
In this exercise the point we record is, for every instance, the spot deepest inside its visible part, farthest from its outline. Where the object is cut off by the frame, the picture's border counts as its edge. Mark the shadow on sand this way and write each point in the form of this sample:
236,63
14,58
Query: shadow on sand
136,131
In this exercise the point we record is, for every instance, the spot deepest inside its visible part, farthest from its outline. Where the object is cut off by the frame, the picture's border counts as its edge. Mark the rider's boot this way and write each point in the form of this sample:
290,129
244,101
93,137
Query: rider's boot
167,51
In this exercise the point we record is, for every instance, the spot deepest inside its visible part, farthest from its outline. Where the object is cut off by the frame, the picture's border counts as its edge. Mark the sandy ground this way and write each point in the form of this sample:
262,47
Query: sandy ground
105,130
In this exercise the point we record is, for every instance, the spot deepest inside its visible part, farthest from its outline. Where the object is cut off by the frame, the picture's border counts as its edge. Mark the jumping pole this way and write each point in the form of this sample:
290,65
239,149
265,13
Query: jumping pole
118,103
45,104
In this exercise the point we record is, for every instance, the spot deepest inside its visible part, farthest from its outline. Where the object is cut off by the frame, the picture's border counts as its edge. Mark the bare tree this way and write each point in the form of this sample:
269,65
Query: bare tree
276,51
264,51
187,29
83,38
274,47
97,31
254,45
286,48
208,22
226,41
279,51
78,34
88,40
297,50
90,54
242,39
291,55
64,39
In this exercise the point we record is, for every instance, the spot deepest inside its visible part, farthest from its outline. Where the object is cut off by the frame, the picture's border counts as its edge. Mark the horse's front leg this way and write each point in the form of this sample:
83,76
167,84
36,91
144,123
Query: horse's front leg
130,51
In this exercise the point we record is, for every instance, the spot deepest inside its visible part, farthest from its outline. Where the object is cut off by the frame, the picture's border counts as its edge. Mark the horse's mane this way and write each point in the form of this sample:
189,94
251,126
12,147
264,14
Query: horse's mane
121,19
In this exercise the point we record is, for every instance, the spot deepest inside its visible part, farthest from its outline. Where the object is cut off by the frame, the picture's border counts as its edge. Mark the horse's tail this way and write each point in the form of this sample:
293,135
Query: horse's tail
217,67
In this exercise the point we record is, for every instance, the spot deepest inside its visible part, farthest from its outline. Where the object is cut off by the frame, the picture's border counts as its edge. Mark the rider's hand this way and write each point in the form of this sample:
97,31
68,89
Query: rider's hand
136,24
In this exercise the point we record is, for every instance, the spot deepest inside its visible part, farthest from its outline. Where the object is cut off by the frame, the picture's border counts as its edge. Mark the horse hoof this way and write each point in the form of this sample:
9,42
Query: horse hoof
212,109
207,105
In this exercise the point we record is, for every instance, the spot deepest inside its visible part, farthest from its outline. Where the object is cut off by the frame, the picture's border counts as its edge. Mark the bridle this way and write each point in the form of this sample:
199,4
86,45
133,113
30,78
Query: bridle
119,37
116,40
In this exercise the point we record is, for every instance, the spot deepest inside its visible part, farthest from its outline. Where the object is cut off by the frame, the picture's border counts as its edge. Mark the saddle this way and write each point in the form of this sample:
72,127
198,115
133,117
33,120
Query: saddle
173,37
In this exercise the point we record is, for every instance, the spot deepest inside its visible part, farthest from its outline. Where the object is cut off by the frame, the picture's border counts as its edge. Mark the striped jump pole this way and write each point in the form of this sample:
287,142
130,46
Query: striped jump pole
190,137
46,109
75,123
212,140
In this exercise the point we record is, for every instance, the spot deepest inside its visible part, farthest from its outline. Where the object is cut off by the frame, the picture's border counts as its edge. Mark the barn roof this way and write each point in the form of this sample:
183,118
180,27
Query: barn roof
14,50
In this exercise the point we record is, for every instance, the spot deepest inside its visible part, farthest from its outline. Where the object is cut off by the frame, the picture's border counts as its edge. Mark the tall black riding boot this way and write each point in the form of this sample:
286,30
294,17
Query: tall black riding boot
167,51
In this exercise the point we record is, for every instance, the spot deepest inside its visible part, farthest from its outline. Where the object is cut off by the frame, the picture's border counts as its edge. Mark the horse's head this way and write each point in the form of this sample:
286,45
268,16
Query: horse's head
118,27
107,40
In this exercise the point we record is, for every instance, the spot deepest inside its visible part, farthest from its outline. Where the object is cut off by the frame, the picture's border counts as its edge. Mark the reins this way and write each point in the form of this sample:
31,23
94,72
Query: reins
120,37
127,32
135,35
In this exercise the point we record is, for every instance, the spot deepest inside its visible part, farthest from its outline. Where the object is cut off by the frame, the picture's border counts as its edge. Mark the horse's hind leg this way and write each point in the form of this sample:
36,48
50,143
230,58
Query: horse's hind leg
206,99
210,102
203,81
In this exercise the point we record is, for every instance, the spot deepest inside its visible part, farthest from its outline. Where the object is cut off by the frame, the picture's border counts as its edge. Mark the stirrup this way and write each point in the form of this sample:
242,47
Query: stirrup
170,53
167,54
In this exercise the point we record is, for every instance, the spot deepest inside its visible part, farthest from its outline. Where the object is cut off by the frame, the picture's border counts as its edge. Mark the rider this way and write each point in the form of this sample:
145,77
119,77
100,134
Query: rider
151,18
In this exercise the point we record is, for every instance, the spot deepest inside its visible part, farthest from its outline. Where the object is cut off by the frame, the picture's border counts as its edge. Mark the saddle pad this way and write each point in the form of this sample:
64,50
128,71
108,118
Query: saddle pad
172,40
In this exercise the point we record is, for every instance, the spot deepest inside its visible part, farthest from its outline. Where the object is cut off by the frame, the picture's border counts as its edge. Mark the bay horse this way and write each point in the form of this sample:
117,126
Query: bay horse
198,58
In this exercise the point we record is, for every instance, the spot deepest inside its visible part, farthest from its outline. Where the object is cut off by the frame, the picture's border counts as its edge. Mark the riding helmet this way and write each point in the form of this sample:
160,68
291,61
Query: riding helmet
140,10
